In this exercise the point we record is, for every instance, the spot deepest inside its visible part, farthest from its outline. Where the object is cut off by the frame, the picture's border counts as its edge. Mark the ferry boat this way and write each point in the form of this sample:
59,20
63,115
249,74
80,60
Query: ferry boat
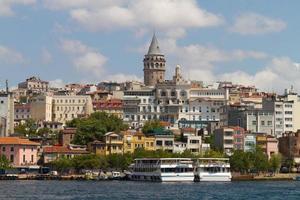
163,170
212,169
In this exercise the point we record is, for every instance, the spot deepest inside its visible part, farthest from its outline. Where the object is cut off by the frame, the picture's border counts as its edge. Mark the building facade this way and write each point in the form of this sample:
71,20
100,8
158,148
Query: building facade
6,114
20,152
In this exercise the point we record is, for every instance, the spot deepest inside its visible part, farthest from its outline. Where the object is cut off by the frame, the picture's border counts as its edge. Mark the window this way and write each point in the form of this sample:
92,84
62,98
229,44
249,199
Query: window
262,123
32,158
169,143
12,149
24,158
12,158
3,149
2,102
254,123
194,141
270,123
158,143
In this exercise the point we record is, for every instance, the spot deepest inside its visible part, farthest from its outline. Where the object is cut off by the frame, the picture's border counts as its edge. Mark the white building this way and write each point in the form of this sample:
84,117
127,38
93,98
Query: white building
6,114
68,107
60,108
139,106
41,108
286,110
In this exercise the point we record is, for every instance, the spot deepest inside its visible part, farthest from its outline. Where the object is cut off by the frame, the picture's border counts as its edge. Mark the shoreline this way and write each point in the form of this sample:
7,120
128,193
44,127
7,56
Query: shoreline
45,177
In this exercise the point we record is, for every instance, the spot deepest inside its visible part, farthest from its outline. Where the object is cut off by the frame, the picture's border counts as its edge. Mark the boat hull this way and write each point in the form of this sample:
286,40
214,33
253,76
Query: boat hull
213,177
164,177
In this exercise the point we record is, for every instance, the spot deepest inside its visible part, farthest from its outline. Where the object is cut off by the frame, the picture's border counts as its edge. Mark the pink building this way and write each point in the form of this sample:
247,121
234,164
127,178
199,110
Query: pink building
272,146
20,152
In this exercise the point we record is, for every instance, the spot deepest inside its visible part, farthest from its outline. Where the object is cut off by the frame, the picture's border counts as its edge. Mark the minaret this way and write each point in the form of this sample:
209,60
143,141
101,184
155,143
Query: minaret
154,64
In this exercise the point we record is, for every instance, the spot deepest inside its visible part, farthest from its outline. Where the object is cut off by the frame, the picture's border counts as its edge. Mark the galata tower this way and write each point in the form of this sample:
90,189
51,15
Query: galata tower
154,64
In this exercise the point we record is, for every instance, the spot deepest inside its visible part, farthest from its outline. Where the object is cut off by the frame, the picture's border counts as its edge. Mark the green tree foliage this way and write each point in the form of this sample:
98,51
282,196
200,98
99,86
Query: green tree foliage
4,162
95,126
118,161
151,125
44,132
90,161
254,161
62,165
275,162
213,154
29,128
260,161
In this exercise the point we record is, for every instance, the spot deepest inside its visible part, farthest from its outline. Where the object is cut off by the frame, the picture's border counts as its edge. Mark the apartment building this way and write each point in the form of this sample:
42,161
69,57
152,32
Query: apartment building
67,107
41,108
229,139
286,110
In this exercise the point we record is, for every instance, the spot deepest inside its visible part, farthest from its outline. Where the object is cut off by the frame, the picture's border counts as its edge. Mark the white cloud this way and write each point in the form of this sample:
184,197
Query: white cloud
197,56
98,15
57,83
276,76
253,24
123,77
10,56
6,6
85,59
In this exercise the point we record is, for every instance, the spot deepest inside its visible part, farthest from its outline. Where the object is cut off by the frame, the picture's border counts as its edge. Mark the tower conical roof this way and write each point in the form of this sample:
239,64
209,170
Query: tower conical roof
154,48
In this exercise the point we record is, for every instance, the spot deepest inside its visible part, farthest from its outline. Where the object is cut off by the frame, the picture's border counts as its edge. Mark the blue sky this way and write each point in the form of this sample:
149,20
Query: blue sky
249,42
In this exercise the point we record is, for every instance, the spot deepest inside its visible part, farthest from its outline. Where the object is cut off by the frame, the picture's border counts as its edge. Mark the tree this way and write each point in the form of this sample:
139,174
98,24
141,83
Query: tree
90,161
4,162
241,161
43,132
28,128
151,125
118,161
275,162
95,126
260,160
213,154
63,165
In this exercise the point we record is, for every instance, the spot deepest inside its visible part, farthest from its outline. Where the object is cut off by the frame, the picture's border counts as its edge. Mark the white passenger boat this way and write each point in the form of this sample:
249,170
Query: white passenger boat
212,169
163,170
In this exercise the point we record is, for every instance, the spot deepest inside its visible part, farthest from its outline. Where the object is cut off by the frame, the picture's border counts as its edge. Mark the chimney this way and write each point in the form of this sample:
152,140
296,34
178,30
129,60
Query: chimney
6,83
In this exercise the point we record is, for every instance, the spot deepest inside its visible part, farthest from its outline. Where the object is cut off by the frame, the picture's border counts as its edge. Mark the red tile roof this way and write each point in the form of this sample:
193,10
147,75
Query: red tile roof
62,149
17,141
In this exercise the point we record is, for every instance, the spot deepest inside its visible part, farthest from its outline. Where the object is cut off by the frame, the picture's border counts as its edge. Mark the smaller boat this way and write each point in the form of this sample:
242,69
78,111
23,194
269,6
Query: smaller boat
212,169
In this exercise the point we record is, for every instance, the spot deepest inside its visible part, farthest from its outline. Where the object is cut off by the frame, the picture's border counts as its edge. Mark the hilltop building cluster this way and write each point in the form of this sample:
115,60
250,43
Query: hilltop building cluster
239,117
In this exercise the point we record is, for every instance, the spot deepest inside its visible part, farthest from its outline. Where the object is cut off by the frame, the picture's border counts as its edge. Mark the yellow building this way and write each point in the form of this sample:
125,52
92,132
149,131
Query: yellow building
97,147
261,141
149,143
120,143
113,143
134,140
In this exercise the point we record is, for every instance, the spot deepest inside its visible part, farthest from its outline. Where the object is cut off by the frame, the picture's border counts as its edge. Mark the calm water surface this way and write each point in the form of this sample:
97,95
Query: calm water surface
144,190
